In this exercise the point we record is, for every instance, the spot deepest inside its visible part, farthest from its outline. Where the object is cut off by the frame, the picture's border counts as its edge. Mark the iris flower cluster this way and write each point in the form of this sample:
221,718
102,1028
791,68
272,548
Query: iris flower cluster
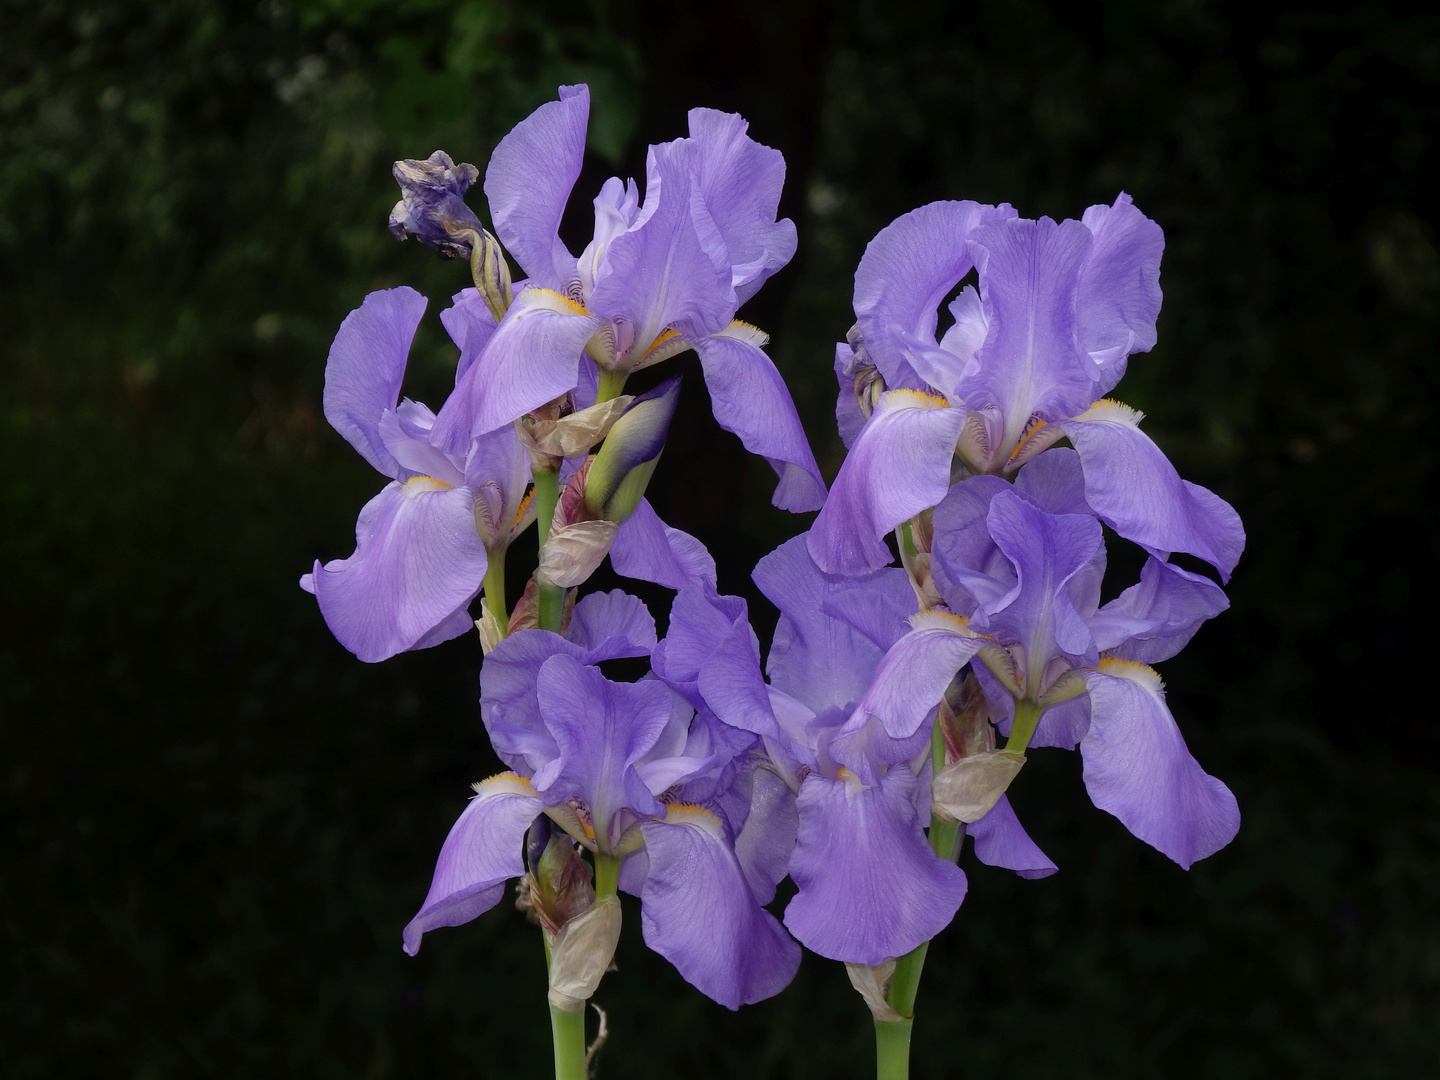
856,752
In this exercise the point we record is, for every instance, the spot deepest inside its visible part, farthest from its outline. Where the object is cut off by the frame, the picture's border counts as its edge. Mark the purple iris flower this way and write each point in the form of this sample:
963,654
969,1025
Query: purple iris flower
628,770
1028,360
423,544
1025,569
854,799
658,278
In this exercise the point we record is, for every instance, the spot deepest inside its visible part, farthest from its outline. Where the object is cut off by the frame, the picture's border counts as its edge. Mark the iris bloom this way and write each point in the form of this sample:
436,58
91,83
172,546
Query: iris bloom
852,798
1028,360
629,771
1025,568
423,544
657,278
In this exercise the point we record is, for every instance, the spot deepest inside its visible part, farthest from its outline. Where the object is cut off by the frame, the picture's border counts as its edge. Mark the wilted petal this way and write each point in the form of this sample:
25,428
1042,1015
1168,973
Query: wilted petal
1138,768
649,550
366,367
529,180
1132,485
739,182
482,852
899,466
749,398
533,358
432,205
417,559
870,886
698,912
1000,840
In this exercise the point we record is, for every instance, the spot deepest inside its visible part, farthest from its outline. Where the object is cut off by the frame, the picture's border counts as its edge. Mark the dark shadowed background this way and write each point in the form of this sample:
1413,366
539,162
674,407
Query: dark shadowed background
214,821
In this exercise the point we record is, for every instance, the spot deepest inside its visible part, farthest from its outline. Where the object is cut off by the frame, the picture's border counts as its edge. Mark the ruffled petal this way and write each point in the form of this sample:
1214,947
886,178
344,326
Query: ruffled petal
417,561
765,843
1153,620
612,624
749,398
1138,768
1000,840
699,618
647,549
366,367
1133,487
899,466
697,911
1119,295
739,181
533,358
870,886
529,180
904,274
482,852
911,679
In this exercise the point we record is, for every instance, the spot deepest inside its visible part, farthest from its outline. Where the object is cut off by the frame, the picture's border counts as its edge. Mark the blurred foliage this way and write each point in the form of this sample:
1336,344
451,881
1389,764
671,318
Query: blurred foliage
215,821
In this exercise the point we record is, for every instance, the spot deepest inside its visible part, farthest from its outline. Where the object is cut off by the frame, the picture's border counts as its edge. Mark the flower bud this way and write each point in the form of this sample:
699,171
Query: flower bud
621,470
560,883
492,275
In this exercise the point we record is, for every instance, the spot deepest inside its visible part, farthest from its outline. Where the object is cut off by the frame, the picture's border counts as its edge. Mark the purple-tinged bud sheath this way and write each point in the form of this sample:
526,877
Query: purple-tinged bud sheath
621,470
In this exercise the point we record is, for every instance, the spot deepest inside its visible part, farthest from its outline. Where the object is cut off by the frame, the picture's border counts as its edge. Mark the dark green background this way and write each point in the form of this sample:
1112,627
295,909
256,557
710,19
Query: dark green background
215,821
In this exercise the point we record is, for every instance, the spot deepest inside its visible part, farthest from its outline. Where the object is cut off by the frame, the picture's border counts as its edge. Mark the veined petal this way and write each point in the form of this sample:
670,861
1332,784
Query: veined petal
911,679
366,367
904,274
870,887
739,181
1133,487
1119,295
612,624
533,358
899,466
658,273
482,852
470,325
1138,768
529,180
417,560
764,844
648,549
1030,363
1153,620
699,618
697,911
749,398
1000,840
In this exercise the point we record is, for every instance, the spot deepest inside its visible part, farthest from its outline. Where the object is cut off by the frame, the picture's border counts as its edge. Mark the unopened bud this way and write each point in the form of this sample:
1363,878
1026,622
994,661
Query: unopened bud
560,880
621,470
491,274
964,719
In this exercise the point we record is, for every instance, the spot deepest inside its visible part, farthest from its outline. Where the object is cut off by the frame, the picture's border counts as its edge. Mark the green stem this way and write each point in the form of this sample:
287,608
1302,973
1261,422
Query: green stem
892,1049
495,588
551,598
1027,715
567,1030
607,875
612,385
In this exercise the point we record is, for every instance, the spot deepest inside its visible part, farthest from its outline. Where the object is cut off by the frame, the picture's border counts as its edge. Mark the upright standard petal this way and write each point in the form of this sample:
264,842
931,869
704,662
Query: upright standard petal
899,466
1138,768
750,398
904,274
366,367
870,887
482,852
1119,295
697,911
1133,487
739,182
1153,620
1030,364
417,560
529,180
